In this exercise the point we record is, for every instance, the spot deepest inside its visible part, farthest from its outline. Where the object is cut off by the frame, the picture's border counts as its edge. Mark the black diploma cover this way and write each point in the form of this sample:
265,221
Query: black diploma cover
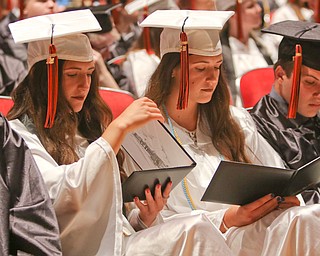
242,183
158,158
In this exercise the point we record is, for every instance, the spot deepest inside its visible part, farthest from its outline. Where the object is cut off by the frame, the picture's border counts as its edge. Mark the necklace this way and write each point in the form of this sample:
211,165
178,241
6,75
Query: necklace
184,182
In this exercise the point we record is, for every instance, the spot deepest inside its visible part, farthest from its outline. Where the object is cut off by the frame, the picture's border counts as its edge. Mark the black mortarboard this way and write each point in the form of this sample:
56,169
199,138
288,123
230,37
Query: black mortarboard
301,43
307,34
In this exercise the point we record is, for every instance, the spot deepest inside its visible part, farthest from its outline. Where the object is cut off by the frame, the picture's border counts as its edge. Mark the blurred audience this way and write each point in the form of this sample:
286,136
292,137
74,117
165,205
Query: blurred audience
243,48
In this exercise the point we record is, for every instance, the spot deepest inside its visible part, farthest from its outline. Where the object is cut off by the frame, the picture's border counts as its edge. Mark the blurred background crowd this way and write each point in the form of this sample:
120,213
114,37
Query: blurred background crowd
126,57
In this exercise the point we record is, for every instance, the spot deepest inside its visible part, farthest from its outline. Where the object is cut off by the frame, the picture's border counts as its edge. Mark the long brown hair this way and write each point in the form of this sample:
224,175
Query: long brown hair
30,98
226,134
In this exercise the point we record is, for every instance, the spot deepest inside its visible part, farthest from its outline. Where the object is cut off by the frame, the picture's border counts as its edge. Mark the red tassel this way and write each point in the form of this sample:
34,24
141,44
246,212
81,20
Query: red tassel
21,7
193,5
294,99
239,19
116,12
9,5
317,12
52,69
184,75
146,34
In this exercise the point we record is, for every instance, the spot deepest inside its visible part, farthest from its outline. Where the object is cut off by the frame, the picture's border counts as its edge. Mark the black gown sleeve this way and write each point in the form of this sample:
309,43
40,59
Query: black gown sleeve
28,222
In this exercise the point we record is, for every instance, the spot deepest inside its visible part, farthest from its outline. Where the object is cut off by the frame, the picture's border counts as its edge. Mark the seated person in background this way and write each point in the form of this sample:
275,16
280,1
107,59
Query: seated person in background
208,5
28,222
243,49
302,10
145,50
77,151
211,130
297,140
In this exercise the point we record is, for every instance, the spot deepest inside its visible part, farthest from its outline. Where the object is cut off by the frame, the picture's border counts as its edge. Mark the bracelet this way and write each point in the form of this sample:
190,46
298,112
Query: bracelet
224,225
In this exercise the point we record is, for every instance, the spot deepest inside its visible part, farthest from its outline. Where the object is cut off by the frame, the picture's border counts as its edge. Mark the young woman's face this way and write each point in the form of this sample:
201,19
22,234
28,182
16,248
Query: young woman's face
76,82
39,7
251,14
204,74
309,95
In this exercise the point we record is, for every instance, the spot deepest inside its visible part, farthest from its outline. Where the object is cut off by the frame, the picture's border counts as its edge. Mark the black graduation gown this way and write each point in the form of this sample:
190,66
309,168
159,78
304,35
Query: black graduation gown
297,141
28,223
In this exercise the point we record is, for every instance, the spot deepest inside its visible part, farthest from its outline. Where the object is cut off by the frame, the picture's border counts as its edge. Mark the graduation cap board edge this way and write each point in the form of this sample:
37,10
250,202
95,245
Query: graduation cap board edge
242,183
65,23
158,157
138,5
175,19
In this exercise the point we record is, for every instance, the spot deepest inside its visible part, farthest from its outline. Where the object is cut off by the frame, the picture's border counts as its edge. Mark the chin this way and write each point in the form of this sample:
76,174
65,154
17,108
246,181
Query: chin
77,109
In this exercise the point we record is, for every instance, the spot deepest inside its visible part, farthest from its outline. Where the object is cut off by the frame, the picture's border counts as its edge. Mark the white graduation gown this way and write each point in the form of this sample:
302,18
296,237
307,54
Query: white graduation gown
88,202
271,235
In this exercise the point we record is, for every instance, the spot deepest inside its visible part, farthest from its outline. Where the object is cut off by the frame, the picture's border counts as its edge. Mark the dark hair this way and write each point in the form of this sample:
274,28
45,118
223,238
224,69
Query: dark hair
30,98
225,133
286,65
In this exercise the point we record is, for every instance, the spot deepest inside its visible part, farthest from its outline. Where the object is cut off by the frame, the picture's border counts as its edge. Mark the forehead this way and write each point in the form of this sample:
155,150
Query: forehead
69,64
209,59
310,72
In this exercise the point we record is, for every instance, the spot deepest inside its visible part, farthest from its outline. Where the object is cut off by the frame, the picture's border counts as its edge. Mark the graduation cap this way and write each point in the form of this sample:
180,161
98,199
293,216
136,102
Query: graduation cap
235,5
188,32
300,43
102,14
138,5
52,37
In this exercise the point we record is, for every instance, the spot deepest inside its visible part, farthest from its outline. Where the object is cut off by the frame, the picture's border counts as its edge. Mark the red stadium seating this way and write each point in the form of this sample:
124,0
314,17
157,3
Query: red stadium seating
255,84
117,100
5,104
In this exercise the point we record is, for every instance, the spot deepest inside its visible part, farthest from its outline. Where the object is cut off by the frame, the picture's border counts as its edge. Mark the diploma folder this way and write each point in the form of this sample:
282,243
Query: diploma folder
242,183
158,158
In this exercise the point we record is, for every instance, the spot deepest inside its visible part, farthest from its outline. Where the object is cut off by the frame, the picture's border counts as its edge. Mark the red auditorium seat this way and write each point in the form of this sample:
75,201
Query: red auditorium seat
255,84
117,100
5,104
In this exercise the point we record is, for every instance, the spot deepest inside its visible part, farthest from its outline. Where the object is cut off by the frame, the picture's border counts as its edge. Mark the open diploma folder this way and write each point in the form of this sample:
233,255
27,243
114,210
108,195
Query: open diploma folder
241,183
158,158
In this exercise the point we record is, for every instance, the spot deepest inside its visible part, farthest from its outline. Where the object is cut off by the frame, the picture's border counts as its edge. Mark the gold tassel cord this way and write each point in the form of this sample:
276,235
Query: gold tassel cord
184,73
52,72
293,105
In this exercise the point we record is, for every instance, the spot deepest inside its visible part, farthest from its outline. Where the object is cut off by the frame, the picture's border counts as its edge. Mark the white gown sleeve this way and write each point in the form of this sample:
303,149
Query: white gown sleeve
86,196
258,149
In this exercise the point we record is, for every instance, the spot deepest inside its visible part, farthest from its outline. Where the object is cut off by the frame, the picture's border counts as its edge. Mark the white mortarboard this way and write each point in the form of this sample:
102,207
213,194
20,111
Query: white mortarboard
65,23
52,37
188,32
202,29
137,5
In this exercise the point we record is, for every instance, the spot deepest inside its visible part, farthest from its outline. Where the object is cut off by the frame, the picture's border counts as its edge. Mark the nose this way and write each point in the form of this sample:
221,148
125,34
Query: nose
51,4
317,92
84,82
213,75
258,8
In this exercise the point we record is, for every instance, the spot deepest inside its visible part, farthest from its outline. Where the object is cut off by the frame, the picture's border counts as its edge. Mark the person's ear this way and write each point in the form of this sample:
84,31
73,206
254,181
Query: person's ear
279,74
